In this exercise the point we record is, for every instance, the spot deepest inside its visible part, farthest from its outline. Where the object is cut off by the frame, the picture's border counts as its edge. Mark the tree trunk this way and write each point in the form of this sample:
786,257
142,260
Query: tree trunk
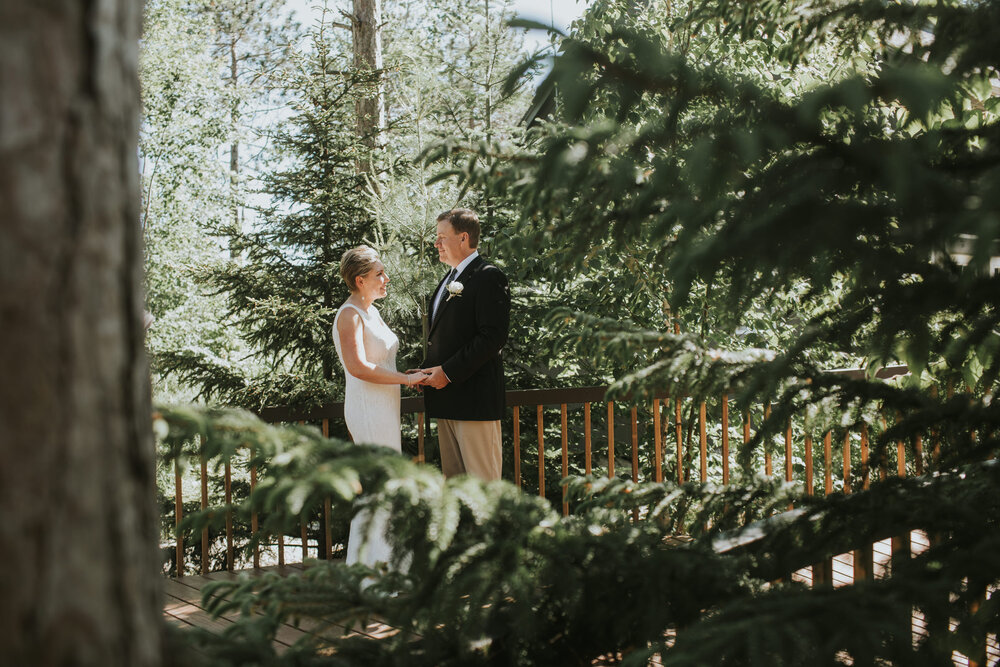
78,521
370,108
234,150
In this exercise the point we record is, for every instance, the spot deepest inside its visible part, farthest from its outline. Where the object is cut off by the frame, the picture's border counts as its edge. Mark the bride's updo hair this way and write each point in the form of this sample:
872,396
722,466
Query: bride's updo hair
355,263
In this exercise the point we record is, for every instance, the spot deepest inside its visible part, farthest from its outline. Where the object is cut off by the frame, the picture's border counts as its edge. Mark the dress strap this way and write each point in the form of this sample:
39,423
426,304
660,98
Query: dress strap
351,305
343,307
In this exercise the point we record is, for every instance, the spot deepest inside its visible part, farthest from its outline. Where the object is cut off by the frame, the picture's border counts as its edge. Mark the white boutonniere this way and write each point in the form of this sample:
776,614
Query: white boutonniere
454,289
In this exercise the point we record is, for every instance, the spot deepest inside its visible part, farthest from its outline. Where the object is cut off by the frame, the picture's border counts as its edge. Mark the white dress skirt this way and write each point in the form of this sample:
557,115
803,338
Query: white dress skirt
372,415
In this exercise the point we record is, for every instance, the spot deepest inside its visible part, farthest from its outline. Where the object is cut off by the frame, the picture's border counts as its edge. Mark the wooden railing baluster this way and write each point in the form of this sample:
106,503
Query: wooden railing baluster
178,516
680,439
564,434
635,444
901,544
586,439
611,439
846,461
253,515
327,508
230,556
541,454
517,446
788,451
827,463
864,558
809,462
702,443
768,469
204,506
823,572
635,454
657,442
303,532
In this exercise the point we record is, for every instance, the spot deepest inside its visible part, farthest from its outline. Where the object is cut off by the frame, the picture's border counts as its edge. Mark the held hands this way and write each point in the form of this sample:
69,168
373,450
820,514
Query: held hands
427,377
436,377
416,377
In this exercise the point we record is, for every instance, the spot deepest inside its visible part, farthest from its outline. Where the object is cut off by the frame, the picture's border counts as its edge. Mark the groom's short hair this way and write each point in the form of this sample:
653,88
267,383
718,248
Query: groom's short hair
463,220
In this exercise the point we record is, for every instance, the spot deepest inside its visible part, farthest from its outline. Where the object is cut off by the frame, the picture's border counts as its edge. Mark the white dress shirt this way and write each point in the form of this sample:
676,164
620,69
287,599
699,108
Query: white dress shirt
444,286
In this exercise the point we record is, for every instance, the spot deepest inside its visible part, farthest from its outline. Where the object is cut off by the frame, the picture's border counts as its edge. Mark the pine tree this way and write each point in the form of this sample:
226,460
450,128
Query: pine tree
285,290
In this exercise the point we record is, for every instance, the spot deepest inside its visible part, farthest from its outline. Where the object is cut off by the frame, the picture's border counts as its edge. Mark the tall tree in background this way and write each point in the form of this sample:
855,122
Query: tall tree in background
446,63
252,39
283,293
186,119
80,574
366,37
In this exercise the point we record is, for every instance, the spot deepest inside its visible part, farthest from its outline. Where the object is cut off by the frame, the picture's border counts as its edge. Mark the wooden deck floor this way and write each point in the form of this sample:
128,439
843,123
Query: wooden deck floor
183,604
183,607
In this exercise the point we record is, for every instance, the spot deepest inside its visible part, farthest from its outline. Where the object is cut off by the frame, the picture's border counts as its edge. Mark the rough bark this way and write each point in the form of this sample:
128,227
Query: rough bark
367,45
78,520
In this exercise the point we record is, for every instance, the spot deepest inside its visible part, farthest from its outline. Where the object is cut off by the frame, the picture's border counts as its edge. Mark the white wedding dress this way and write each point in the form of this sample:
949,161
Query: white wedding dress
372,415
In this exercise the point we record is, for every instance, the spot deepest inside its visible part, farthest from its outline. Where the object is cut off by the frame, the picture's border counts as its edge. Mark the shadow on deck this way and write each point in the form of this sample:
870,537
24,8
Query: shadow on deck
184,606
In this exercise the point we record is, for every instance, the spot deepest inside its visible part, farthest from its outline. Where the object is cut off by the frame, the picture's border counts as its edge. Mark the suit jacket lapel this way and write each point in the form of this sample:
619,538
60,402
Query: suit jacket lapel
467,272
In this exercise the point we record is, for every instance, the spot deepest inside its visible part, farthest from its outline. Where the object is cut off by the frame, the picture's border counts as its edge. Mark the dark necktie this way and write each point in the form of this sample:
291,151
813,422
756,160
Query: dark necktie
444,289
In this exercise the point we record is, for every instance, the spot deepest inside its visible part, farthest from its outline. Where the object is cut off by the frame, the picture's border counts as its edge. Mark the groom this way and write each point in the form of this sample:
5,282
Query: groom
470,315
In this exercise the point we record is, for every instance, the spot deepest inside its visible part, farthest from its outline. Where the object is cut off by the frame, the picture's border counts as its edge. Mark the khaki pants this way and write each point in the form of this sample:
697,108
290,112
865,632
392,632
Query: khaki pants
470,447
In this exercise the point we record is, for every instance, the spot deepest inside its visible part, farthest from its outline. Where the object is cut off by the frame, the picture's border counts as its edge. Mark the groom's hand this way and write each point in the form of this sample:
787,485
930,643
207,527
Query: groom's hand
437,378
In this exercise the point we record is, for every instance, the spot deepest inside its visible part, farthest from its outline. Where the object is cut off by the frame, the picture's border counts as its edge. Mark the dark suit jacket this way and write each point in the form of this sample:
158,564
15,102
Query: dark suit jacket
466,339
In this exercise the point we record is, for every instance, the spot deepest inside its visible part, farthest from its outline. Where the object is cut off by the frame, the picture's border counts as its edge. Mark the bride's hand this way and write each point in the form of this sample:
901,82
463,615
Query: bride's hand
415,377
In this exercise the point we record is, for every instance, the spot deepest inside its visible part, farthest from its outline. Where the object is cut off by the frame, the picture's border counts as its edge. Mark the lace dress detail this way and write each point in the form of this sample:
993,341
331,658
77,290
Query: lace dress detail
372,415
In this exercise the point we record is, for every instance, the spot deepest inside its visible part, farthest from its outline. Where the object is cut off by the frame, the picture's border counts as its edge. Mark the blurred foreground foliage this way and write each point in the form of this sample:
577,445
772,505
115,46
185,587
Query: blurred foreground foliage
486,574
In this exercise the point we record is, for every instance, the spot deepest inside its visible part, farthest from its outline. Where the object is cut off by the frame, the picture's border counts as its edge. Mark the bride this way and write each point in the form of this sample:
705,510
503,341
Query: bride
367,350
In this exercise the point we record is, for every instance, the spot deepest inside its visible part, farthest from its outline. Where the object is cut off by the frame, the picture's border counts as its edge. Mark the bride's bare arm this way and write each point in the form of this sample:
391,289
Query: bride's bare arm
350,328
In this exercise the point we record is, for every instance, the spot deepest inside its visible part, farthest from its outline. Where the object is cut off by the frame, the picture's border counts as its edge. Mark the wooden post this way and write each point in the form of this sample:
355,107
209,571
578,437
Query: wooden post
253,516
230,554
823,572
327,509
586,439
846,459
809,464
517,446
680,440
611,439
702,443
827,463
565,455
864,558
635,444
204,506
657,441
541,454
788,451
178,515
635,454
767,451
901,547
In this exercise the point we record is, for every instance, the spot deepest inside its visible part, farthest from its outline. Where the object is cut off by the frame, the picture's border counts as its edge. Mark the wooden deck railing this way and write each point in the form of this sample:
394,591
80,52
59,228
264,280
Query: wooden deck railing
657,439
553,430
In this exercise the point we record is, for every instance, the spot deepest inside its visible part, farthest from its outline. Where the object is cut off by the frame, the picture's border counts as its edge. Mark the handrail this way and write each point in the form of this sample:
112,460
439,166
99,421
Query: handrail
515,397
664,421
